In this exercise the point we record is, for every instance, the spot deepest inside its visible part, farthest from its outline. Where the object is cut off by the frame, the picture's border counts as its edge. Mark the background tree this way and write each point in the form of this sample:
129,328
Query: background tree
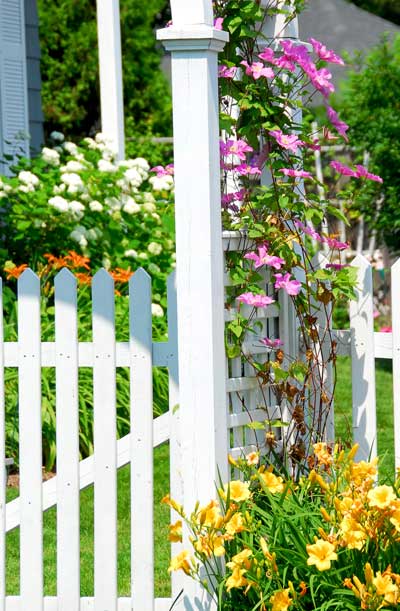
371,106
70,73
388,9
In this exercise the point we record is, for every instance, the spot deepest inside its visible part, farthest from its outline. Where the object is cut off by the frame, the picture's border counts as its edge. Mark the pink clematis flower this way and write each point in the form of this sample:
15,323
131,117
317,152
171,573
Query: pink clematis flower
321,79
218,23
268,55
257,70
327,55
225,72
292,287
385,329
309,231
362,172
335,244
337,267
263,258
246,169
340,126
235,147
286,141
271,343
295,173
343,169
257,301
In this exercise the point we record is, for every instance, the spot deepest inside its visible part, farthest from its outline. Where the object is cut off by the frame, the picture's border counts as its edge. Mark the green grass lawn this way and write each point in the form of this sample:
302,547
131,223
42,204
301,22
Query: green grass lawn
161,470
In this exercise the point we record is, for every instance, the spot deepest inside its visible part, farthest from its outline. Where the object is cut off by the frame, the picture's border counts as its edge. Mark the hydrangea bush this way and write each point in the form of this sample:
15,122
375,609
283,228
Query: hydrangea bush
119,214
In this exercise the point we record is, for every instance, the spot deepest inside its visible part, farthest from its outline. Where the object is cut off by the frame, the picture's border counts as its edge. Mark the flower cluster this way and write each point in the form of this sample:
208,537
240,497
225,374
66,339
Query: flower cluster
330,536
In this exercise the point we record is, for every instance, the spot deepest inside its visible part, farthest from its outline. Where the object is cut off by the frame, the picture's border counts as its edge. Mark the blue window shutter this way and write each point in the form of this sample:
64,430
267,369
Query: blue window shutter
14,119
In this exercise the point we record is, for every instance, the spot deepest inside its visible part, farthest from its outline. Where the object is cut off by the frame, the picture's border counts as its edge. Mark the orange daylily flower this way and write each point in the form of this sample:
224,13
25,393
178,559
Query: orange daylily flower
121,275
15,272
76,260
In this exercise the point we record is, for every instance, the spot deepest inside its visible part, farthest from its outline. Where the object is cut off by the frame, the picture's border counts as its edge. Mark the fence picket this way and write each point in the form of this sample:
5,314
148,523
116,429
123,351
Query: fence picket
30,442
142,524
363,362
105,440
67,415
3,477
395,272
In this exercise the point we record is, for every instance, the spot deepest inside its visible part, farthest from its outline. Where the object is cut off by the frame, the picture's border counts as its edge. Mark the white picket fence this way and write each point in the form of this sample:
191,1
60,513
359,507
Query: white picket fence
103,355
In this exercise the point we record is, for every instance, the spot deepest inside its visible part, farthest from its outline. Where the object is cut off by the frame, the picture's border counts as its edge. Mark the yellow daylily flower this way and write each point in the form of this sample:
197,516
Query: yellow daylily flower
385,587
235,524
281,600
272,482
381,497
238,491
175,532
181,561
236,580
321,554
252,458
241,559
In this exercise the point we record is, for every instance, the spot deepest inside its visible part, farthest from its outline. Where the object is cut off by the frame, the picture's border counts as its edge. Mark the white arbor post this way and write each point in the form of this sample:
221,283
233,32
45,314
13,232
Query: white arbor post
110,65
194,46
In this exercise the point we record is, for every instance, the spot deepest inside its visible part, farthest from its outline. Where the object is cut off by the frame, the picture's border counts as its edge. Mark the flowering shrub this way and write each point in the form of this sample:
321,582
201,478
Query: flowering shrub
328,541
119,214
264,86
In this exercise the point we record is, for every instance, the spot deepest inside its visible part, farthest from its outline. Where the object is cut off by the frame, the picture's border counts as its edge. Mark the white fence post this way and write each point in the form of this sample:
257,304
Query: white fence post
396,358
67,417
363,362
199,262
30,442
105,444
110,67
142,538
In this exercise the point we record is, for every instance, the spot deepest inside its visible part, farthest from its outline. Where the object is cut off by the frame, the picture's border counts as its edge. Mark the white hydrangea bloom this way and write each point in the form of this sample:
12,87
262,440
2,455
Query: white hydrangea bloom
93,234
131,253
72,166
77,209
155,216
162,183
90,143
149,207
143,256
157,310
57,136
108,153
153,268
133,177
28,178
8,188
50,156
73,182
106,263
59,189
113,203
26,188
131,207
95,206
154,248
106,166
169,244
59,203
79,235
71,148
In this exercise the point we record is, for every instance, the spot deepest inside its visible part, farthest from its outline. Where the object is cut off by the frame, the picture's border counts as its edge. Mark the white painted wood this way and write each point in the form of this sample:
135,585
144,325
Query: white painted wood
104,434
175,442
363,362
67,422
30,442
395,272
279,26
3,468
199,260
162,353
110,66
141,405
186,12
13,603
161,433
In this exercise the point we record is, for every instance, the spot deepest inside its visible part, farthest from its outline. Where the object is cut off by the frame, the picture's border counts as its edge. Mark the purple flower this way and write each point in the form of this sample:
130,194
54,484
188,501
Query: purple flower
362,172
245,169
295,173
327,55
321,79
257,70
336,266
268,55
257,301
343,169
218,23
335,244
263,258
292,287
309,231
225,72
340,126
235,147
289,142
161,171
271,343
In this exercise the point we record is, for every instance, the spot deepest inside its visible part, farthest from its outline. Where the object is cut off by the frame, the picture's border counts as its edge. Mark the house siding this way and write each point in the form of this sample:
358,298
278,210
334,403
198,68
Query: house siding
33,74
